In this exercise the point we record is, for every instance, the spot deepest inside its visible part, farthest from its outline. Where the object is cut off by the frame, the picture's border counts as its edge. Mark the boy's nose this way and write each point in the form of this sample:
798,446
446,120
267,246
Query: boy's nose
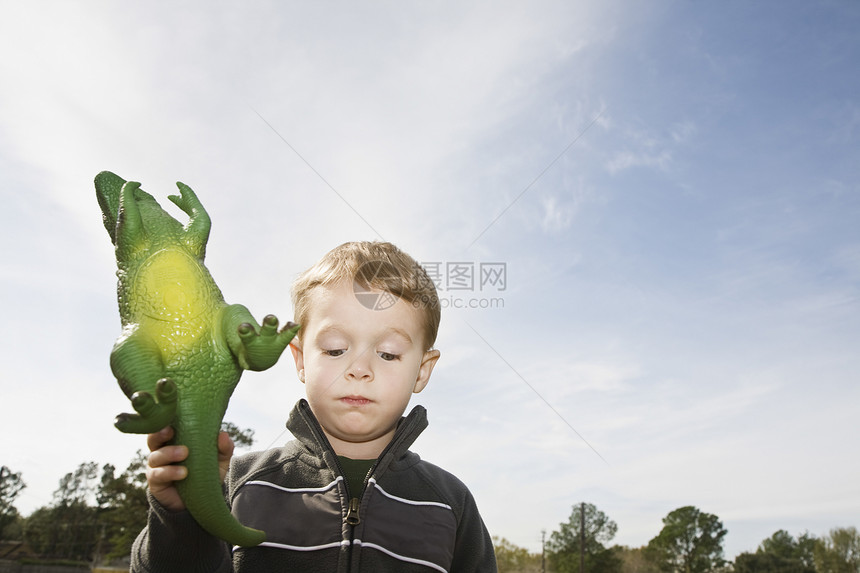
359,369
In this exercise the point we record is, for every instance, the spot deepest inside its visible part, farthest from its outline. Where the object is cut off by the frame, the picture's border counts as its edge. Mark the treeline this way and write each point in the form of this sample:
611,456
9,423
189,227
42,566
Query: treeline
691,541
95,514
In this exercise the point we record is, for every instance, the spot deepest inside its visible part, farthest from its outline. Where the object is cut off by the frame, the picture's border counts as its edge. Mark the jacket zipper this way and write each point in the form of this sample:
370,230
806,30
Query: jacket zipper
352,516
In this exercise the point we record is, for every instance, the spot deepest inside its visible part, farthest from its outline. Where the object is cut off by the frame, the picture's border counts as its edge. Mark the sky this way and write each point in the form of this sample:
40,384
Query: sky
644,219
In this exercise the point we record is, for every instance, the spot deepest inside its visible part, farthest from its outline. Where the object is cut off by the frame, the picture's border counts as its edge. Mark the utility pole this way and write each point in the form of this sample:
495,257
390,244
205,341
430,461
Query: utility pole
582,538
542,550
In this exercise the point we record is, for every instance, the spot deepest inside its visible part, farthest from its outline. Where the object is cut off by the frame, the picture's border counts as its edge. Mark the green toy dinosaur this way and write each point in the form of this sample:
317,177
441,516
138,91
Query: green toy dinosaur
182,349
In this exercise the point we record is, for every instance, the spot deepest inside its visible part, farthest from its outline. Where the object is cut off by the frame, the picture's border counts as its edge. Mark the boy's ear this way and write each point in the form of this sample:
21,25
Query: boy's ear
427,363
299,357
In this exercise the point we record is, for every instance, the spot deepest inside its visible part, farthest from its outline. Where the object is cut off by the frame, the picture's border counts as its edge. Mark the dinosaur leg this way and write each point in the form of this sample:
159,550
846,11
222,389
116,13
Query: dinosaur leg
255,347
202,491
136,363
197,229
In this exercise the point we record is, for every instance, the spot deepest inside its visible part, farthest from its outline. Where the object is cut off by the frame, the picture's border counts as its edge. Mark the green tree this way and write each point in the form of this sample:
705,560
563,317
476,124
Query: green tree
68,528
242,438
79,486
93,516
565,545
634,560
513,559
11,485
779,553
838,552
122,507
691,541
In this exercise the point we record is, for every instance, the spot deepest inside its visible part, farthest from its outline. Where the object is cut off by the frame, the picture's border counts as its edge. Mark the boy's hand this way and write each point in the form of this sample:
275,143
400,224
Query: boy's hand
161,473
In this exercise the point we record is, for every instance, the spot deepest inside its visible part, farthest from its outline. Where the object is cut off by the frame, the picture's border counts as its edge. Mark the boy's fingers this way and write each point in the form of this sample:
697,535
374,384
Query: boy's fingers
225,446
158,439
161,477
167,455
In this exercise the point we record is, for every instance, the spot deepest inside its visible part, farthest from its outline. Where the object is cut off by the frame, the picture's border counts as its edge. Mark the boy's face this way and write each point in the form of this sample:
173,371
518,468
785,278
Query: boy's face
360,367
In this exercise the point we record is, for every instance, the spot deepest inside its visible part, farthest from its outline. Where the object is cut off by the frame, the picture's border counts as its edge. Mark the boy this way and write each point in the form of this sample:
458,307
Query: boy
347,494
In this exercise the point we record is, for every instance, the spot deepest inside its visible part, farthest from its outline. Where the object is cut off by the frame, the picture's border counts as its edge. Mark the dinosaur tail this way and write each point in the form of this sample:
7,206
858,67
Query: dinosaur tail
203,496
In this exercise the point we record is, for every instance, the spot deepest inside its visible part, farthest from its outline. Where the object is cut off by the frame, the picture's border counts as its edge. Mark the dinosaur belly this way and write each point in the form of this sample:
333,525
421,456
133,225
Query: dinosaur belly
174,298
173,286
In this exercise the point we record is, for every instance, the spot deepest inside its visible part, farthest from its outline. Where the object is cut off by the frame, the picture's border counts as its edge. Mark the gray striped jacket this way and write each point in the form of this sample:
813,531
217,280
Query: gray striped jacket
413,516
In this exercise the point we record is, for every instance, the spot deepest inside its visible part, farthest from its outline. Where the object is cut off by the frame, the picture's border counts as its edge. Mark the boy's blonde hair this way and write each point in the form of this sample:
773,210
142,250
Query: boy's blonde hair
371,266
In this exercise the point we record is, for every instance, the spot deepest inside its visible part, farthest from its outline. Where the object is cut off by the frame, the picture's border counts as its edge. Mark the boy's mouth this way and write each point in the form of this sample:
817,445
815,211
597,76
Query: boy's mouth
355,400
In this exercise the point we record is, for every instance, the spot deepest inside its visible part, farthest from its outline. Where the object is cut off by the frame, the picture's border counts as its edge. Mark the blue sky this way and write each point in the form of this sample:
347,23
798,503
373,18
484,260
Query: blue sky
682,281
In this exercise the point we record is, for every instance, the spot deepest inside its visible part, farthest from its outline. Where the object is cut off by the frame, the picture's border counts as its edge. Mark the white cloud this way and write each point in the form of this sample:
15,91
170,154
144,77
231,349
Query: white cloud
651,148
682,131
629,159
555,217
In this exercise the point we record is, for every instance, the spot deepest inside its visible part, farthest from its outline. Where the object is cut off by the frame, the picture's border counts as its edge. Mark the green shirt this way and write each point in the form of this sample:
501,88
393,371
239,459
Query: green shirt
355,471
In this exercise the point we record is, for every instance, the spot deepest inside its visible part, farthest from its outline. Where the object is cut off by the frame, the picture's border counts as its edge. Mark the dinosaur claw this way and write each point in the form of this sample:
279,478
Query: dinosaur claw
151,415
143,403
270,325
122,420
165,391
246,330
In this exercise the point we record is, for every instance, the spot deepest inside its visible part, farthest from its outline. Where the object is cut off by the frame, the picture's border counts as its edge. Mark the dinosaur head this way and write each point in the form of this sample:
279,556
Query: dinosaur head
108,187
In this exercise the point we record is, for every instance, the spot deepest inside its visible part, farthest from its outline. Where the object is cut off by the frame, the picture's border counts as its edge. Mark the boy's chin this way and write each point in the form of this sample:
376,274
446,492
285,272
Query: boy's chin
358,434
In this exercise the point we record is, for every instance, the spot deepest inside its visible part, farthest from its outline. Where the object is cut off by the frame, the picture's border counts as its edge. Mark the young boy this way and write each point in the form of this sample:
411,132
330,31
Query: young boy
347,494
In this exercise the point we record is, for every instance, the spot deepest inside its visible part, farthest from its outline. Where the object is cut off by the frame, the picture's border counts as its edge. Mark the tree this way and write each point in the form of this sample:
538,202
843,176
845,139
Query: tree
838,552
565,546
242,438
122,506
633,560
78,487
68,528
98,516
783,545
513,559
691,541
11,485
779,553
93,516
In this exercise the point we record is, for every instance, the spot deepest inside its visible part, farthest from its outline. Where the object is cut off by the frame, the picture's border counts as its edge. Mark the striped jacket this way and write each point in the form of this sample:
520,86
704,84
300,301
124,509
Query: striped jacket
412,517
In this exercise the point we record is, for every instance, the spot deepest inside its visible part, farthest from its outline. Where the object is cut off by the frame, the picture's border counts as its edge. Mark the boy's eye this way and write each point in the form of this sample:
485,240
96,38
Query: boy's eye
387,356
335,352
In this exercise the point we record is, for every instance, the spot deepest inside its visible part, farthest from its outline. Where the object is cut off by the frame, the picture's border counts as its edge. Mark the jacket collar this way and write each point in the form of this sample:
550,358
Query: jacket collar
305,427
